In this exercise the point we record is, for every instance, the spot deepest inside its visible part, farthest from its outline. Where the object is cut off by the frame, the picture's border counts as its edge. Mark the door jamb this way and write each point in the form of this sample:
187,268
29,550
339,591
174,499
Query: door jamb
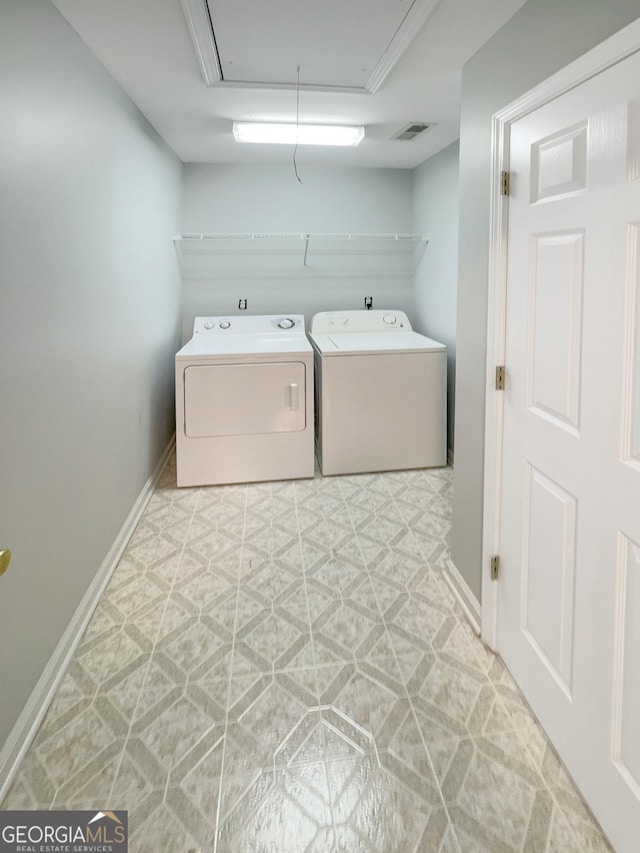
611,51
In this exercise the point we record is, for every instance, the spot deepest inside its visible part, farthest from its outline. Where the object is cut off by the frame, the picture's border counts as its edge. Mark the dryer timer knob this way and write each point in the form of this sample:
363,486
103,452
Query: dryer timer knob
389,319
209,325
224,324
286,323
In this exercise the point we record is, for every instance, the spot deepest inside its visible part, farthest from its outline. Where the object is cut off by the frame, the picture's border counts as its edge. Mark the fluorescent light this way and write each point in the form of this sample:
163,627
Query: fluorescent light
303,134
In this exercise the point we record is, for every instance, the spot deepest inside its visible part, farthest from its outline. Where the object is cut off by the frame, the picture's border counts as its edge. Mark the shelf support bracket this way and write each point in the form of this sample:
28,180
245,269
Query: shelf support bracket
306,249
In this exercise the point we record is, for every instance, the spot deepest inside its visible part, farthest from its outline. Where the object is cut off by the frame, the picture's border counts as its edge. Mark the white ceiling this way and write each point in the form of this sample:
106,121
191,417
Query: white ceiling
380,63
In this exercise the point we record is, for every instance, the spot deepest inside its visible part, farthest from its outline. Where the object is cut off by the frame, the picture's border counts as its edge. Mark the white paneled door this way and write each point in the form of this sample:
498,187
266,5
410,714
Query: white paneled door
568,623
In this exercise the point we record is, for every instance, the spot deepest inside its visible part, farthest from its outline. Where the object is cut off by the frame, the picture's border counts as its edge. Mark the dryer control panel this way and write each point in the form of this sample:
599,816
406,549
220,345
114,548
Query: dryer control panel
329,322
251,325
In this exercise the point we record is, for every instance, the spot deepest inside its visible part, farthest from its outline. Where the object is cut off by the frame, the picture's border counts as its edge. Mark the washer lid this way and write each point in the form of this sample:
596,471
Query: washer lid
372,343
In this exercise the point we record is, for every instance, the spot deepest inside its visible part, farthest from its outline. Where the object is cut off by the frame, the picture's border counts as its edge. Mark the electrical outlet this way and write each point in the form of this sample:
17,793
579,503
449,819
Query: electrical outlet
368,302
242,304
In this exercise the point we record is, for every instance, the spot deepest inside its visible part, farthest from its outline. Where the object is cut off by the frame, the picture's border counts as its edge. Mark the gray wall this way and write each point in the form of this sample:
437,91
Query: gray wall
435,212
540,39
269,199
89,316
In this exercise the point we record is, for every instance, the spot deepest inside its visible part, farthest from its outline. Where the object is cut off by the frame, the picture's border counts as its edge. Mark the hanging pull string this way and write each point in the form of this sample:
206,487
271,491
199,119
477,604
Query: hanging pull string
295,150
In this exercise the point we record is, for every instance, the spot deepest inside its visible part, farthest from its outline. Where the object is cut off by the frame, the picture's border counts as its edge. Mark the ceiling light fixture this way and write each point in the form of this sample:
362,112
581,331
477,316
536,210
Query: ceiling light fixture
303,134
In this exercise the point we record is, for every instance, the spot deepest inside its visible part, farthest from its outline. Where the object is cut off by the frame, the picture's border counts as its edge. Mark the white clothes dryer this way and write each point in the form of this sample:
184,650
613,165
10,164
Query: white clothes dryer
380,393
244,401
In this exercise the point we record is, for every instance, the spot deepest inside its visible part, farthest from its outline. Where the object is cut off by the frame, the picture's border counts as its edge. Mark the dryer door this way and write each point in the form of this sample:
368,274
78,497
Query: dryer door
244,399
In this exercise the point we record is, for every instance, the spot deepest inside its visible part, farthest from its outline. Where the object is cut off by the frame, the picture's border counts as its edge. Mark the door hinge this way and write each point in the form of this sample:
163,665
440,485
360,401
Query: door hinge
500,377
505,183
495,568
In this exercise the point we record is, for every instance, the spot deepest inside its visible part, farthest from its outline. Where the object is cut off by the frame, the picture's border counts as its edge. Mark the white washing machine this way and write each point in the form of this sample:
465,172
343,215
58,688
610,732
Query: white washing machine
381,392
244,401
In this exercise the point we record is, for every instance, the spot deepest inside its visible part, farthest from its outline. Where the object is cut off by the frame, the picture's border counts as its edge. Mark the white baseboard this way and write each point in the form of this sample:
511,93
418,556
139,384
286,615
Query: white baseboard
27,724
464,596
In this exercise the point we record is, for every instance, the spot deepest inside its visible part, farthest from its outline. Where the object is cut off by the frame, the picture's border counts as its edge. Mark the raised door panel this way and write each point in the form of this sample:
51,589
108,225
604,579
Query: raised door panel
559,164
555,327
548,574
626,720
631,415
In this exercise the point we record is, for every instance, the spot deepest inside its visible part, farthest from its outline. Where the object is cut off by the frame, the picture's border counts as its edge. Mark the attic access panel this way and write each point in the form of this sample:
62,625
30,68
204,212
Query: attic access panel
339,44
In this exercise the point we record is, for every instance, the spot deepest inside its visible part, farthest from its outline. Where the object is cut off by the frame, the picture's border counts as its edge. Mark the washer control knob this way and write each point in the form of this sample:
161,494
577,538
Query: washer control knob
286,323
225,324
209,325
389,319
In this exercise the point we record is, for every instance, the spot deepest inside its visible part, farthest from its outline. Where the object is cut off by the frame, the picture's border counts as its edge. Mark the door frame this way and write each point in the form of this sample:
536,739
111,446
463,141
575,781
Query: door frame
611,51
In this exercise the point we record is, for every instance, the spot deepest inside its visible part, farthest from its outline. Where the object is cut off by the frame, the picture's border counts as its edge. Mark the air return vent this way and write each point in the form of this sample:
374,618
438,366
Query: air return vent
411,131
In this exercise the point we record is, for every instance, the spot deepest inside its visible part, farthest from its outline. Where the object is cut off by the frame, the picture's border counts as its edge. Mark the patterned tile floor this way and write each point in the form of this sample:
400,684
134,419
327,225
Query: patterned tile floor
280,667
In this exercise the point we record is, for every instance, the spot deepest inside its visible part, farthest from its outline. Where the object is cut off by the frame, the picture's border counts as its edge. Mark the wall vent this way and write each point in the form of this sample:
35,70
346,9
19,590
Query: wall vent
411,131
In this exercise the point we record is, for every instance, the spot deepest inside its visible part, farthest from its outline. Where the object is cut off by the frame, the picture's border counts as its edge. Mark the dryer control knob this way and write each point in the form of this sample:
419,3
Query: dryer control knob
225,324
209,325
389,319
286,323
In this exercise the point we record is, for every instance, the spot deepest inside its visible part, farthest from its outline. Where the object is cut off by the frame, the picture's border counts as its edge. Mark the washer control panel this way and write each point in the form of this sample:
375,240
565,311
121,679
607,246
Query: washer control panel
328,322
